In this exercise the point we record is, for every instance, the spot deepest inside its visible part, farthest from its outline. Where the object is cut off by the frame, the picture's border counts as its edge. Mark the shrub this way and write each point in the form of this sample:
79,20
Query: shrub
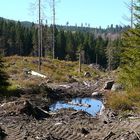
119,102
124,101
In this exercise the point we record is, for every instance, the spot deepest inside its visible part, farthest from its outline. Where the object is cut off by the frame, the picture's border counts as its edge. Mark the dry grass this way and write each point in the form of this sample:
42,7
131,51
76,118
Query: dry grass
125,101
55,70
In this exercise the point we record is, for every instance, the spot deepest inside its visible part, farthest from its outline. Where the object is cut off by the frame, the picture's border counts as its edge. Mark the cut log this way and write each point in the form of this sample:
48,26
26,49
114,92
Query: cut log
97,94
36,74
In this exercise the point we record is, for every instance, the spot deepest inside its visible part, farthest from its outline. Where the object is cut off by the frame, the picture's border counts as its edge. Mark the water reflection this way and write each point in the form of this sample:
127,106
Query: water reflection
91,106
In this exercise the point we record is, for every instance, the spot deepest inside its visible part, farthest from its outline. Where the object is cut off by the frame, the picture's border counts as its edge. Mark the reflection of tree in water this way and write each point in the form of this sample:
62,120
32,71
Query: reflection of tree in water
88,100
57,105
82,100
78,104
53,106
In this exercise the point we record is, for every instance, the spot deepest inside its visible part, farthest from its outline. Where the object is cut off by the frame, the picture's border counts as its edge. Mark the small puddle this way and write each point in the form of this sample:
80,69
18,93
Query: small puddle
89,105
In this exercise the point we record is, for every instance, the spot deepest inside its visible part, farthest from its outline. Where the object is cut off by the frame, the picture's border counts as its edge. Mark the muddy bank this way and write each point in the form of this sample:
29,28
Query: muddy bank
68,124
18,120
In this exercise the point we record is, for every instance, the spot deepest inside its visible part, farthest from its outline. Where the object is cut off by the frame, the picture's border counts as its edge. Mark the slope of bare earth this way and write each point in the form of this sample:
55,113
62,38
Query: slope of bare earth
20,118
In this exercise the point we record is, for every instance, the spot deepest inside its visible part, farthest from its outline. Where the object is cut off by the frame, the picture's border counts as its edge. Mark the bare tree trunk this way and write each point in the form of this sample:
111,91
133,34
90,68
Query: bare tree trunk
80,61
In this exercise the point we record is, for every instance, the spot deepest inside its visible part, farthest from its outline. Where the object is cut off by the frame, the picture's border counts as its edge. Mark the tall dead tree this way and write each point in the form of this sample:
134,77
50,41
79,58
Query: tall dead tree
53,34
109,55
130,18
132,13
40,38
39,35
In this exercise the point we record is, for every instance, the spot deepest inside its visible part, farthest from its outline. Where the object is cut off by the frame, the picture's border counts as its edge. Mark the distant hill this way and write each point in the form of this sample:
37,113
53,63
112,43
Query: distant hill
27,24
109,31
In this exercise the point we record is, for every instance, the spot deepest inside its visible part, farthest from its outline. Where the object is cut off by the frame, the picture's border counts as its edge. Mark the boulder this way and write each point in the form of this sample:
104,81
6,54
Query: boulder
26,71
71,79
116,87
84,131
108,84
87,74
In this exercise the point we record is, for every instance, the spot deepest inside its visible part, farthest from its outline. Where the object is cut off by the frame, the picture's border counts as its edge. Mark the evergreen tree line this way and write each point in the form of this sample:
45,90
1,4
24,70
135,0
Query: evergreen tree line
16,39
99,30
95,49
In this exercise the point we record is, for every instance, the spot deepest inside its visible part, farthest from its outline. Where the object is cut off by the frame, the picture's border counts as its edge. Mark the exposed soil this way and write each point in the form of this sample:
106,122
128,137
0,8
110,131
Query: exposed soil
19,117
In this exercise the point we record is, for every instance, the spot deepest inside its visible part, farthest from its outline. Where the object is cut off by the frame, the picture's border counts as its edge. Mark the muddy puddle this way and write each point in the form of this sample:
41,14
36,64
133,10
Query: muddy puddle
89,105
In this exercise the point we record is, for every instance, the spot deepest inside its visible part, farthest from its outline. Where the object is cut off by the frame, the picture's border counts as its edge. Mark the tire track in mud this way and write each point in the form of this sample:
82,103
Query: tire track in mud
127,130
116,130
67,124
62,131
15,134
40,130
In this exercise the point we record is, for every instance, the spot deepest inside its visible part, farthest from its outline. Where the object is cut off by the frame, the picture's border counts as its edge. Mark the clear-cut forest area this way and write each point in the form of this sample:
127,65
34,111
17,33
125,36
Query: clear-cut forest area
70,82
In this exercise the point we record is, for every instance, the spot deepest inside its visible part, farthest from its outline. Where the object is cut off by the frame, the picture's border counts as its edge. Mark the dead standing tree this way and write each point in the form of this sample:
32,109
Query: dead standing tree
130,18
39,36
53,29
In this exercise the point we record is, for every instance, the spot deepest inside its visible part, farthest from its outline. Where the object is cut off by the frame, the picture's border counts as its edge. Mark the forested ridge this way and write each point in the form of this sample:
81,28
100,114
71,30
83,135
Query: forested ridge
98,45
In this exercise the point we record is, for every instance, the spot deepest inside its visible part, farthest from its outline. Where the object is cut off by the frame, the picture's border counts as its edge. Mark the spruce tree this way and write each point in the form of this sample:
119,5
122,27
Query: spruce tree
130,74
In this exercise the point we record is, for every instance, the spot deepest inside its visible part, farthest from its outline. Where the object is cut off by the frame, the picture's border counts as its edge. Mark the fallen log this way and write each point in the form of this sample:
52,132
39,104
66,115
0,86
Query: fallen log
97,94
36,74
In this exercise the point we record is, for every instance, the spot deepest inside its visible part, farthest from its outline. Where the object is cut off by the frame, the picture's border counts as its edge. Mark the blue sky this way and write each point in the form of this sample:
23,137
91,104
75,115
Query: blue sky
94,12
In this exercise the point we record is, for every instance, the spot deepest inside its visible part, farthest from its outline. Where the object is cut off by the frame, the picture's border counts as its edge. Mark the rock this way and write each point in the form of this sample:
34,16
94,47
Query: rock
71,79
108,84
26,71
87,74
95,66
84,131
116,87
